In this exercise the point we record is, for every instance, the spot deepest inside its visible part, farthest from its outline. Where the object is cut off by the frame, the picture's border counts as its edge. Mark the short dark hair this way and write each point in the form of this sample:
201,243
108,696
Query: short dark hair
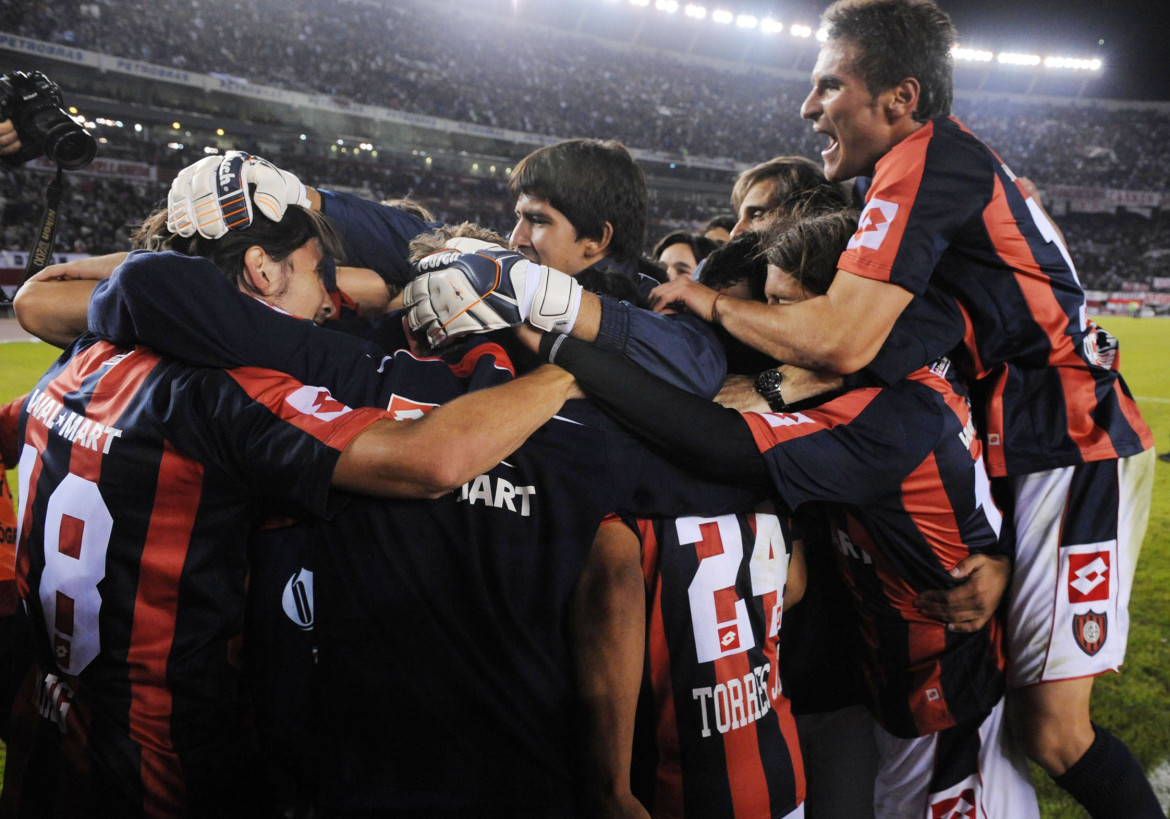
797,178
279,240
724,220
808,248
896,39
700,246
741,259
592,182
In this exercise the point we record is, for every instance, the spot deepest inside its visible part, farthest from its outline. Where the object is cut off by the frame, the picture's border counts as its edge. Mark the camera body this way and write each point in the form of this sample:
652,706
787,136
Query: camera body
33,102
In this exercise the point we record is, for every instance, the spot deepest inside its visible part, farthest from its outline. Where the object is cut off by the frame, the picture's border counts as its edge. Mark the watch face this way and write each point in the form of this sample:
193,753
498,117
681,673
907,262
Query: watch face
768,381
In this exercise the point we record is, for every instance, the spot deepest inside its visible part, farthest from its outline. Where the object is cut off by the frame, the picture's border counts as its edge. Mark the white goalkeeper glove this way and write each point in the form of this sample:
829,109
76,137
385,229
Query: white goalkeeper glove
488,290
211,196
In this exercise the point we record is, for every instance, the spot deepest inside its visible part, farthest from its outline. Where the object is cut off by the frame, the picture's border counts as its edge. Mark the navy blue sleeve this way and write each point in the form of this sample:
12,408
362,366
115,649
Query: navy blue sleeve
681,350
700,435
184,307
375,235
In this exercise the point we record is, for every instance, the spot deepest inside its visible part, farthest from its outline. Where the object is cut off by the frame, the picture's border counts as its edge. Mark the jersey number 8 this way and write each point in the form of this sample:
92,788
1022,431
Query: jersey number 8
73,565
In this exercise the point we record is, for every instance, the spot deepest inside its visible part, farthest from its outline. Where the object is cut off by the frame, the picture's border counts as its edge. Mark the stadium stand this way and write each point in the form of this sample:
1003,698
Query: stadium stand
460,64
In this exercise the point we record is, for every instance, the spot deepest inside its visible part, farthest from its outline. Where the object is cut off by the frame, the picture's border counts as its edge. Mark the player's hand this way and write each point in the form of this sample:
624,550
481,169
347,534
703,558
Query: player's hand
211,197
488,290
698,298
969,606
9,140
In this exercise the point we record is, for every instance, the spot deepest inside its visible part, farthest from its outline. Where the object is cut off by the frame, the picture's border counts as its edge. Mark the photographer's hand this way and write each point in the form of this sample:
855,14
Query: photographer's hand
9,141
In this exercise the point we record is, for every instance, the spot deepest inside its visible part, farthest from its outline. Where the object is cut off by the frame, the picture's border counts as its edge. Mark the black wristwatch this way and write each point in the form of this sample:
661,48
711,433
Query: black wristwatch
768,385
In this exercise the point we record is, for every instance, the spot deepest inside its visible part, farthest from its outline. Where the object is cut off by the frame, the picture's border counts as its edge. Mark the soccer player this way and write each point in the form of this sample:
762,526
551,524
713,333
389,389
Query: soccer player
581,209
140,480
1065,442
899,471
680,252
483,576
715,732
776,187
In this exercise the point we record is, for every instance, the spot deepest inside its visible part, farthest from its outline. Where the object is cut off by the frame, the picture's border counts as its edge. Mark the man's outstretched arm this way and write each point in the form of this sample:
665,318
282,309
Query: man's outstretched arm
453,443
840,331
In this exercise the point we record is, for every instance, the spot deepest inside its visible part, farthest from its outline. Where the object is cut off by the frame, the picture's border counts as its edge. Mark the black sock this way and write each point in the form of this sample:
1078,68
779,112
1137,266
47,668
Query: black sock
1109,782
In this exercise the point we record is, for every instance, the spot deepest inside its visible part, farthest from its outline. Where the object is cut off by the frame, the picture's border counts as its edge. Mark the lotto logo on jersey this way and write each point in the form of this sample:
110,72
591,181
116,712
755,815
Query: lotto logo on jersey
404,409
874,224
729,638
1088,577
317,402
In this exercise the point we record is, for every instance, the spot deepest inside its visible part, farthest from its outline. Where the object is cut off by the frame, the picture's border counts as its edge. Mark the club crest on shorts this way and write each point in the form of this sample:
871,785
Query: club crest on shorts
955,807
1090,630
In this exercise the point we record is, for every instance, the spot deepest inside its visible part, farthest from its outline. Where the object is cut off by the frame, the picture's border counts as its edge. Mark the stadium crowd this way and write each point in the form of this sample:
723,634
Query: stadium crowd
416,58
1109,249
829,537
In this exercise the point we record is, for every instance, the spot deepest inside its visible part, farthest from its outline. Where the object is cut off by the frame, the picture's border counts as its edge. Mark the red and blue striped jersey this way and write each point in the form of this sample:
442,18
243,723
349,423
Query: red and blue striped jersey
140,481
716,735
898,471
946,219
9,418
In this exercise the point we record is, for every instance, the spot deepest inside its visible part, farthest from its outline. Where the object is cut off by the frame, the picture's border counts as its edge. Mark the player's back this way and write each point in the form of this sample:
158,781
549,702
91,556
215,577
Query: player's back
715,734
140,479
945,210
900,475
445,672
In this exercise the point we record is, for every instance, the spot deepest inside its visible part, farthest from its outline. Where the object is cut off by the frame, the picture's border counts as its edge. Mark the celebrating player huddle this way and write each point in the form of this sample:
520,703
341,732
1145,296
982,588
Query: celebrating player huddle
498,553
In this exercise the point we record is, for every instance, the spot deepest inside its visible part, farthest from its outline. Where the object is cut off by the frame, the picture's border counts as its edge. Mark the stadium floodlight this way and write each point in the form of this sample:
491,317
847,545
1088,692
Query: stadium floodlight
770,26
746,21
1010,58
722,16
973,55
639,2
1075,63
697,12
669,6
800,31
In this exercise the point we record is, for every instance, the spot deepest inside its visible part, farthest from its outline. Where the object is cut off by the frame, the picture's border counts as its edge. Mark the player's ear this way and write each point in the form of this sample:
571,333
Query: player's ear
596,248
903,98
258,270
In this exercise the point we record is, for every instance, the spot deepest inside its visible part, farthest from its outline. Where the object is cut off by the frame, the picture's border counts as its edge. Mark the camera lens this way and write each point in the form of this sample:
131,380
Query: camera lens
65,142
71,149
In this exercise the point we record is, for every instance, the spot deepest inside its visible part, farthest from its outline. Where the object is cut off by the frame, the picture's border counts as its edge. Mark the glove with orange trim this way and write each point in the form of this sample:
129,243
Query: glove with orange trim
212,196
489,290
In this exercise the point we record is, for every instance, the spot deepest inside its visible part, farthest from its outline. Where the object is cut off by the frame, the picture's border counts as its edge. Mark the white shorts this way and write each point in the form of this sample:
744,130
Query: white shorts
1079,531
974,772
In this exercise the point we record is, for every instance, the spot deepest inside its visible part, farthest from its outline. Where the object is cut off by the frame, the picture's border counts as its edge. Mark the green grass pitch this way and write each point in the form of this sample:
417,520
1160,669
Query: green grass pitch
1134,704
